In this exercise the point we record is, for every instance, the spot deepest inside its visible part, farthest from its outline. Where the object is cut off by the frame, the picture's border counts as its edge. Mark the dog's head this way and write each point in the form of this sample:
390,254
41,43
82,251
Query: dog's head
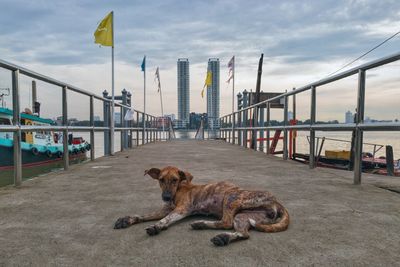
169,178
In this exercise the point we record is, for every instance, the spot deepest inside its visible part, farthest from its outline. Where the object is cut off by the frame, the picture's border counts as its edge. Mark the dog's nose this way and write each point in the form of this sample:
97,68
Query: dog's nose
166,196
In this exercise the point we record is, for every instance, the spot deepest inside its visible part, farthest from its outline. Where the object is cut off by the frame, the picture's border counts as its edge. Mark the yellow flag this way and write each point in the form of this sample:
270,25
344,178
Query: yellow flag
208,82
104,32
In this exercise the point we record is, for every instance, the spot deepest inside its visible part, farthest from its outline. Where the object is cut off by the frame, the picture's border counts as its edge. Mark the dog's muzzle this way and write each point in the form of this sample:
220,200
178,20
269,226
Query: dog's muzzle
166,196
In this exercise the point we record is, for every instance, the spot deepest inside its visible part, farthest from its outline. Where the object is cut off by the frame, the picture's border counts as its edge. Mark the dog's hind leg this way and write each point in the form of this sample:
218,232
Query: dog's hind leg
225,223
241,225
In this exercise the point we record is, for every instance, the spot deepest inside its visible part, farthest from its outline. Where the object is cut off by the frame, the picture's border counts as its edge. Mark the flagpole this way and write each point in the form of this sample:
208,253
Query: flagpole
112,88
233,85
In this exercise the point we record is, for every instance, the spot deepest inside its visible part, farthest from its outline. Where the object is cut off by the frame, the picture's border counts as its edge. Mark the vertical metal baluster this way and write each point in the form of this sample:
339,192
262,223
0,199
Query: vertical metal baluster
312,131
137,126
92,154
359,132
17,133
285,131
268,122
65,124
233,128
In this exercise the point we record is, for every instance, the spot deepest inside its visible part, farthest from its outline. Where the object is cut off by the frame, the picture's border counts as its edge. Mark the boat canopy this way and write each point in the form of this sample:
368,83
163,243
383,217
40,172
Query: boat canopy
26,116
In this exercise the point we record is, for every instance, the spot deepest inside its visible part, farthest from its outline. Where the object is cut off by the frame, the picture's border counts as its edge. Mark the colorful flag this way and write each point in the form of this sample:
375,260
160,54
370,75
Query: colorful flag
231,66
143,66
157,78
207,82
104,32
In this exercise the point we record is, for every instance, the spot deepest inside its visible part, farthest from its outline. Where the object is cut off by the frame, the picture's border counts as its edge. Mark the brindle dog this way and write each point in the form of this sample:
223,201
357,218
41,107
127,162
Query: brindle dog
234,207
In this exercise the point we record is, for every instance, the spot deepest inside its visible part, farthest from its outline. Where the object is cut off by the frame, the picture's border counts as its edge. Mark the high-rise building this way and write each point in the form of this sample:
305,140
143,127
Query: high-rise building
349,117
183,92
213,94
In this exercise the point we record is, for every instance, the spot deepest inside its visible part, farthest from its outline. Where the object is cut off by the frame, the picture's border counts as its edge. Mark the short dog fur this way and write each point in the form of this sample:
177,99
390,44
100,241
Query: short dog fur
234,207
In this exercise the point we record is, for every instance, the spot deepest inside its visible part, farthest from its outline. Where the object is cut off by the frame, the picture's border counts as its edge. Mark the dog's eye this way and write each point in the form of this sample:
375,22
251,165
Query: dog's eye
162,180
175,180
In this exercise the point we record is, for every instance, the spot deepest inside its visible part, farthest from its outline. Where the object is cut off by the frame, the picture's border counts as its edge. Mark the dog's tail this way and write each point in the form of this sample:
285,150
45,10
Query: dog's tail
280,224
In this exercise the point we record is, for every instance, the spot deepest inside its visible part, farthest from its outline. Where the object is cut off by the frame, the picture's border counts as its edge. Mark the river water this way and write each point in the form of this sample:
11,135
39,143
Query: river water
302,145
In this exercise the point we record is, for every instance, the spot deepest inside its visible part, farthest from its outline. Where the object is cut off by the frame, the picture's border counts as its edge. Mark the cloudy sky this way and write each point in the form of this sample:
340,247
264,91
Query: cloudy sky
302,41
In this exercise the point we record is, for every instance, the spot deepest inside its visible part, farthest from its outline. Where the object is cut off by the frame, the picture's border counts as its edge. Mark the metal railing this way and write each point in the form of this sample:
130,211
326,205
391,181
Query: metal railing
236,124
144,126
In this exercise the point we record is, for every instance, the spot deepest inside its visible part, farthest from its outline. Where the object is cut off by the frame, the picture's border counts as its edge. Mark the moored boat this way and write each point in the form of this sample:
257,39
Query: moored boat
38,147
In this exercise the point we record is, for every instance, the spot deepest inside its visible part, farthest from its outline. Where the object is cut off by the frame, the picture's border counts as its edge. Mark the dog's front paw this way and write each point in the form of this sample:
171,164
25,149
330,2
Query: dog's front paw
153,230
198,225
125,222
220,240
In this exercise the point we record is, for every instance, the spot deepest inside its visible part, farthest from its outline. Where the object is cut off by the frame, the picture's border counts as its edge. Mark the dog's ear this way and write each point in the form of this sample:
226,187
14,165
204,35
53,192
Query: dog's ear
185,176
153,172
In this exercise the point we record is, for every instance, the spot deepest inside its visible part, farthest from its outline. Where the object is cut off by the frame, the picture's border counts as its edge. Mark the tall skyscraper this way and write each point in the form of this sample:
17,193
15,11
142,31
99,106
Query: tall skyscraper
349,117
183,92
213,94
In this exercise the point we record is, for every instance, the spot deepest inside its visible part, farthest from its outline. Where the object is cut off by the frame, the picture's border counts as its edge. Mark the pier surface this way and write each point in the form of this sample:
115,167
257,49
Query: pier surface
66,218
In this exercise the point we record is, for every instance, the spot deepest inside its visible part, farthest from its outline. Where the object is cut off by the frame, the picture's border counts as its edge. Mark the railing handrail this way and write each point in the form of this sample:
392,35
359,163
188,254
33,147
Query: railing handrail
13,67
237,121
344,74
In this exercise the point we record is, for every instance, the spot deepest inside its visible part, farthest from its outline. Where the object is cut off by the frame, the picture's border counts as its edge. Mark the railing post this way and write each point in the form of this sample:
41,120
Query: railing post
268,122
17,133
312,131
92,151
233,128
359,132
285,131
147,126
239,134
65,124
106,123
294,131
137,128
122,125
261,123
144,129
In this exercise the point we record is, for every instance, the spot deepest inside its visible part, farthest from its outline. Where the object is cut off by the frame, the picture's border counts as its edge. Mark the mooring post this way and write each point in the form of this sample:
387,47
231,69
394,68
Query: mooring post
312,131
389,160
359,133
92,149
65,124
17,134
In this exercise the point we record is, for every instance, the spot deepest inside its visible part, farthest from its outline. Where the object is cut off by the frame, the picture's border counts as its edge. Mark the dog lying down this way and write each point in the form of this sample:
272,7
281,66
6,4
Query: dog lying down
234,207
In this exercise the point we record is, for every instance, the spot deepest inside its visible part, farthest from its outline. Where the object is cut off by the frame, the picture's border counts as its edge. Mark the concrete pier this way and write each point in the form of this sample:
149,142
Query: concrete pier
66,218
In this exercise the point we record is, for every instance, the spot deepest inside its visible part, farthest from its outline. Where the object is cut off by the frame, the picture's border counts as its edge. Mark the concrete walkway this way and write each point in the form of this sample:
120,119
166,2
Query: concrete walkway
66,218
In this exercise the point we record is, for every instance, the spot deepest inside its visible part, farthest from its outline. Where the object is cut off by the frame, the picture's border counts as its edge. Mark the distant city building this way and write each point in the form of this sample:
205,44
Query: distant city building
290,115
171,116
117,117
195,119
183,92
213,94
349,117
161,121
